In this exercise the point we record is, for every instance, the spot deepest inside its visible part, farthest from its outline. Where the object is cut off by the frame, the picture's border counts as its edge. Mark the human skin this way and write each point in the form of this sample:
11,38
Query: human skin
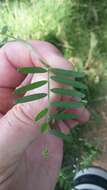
22,165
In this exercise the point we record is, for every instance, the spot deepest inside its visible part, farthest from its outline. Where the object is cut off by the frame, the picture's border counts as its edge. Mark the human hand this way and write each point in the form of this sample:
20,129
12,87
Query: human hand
22,165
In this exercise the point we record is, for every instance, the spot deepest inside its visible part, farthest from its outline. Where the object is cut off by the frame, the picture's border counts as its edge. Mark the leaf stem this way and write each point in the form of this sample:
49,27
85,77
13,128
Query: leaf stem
48,118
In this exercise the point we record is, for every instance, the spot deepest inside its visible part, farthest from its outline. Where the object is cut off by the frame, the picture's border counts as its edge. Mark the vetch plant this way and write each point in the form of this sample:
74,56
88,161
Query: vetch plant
72,88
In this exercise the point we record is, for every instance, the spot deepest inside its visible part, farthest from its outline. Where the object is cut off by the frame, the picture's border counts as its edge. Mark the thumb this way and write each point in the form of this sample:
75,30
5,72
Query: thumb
17,131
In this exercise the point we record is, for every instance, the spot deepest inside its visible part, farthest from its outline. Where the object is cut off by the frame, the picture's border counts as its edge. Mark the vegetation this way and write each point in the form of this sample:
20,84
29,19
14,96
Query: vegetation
78,28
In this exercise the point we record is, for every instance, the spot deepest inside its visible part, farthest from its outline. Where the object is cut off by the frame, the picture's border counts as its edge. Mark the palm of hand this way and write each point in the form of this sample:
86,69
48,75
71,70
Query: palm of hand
32,168
35,171
25,143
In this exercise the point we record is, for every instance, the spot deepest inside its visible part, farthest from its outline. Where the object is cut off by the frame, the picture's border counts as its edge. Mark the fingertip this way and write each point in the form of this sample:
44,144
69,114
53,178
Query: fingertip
63,127
17,54
84,115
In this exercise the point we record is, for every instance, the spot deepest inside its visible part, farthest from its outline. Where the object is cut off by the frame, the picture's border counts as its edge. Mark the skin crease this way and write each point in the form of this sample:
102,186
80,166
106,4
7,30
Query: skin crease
22,165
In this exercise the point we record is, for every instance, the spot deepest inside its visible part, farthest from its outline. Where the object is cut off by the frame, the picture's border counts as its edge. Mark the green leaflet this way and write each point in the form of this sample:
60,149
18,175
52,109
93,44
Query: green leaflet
27,70
44,127
41,114
60,135
30,98
45,153
84,102
67,73
67,105
4,30
68,81
68,92
30,86
64,116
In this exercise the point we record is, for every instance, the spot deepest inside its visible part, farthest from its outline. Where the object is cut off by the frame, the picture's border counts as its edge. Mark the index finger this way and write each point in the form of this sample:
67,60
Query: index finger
16,54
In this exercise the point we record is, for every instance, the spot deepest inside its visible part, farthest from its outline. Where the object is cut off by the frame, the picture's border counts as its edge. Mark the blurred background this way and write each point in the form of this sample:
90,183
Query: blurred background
79,29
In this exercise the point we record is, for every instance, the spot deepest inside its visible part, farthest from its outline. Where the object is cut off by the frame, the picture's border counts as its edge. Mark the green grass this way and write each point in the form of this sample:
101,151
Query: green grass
79,29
